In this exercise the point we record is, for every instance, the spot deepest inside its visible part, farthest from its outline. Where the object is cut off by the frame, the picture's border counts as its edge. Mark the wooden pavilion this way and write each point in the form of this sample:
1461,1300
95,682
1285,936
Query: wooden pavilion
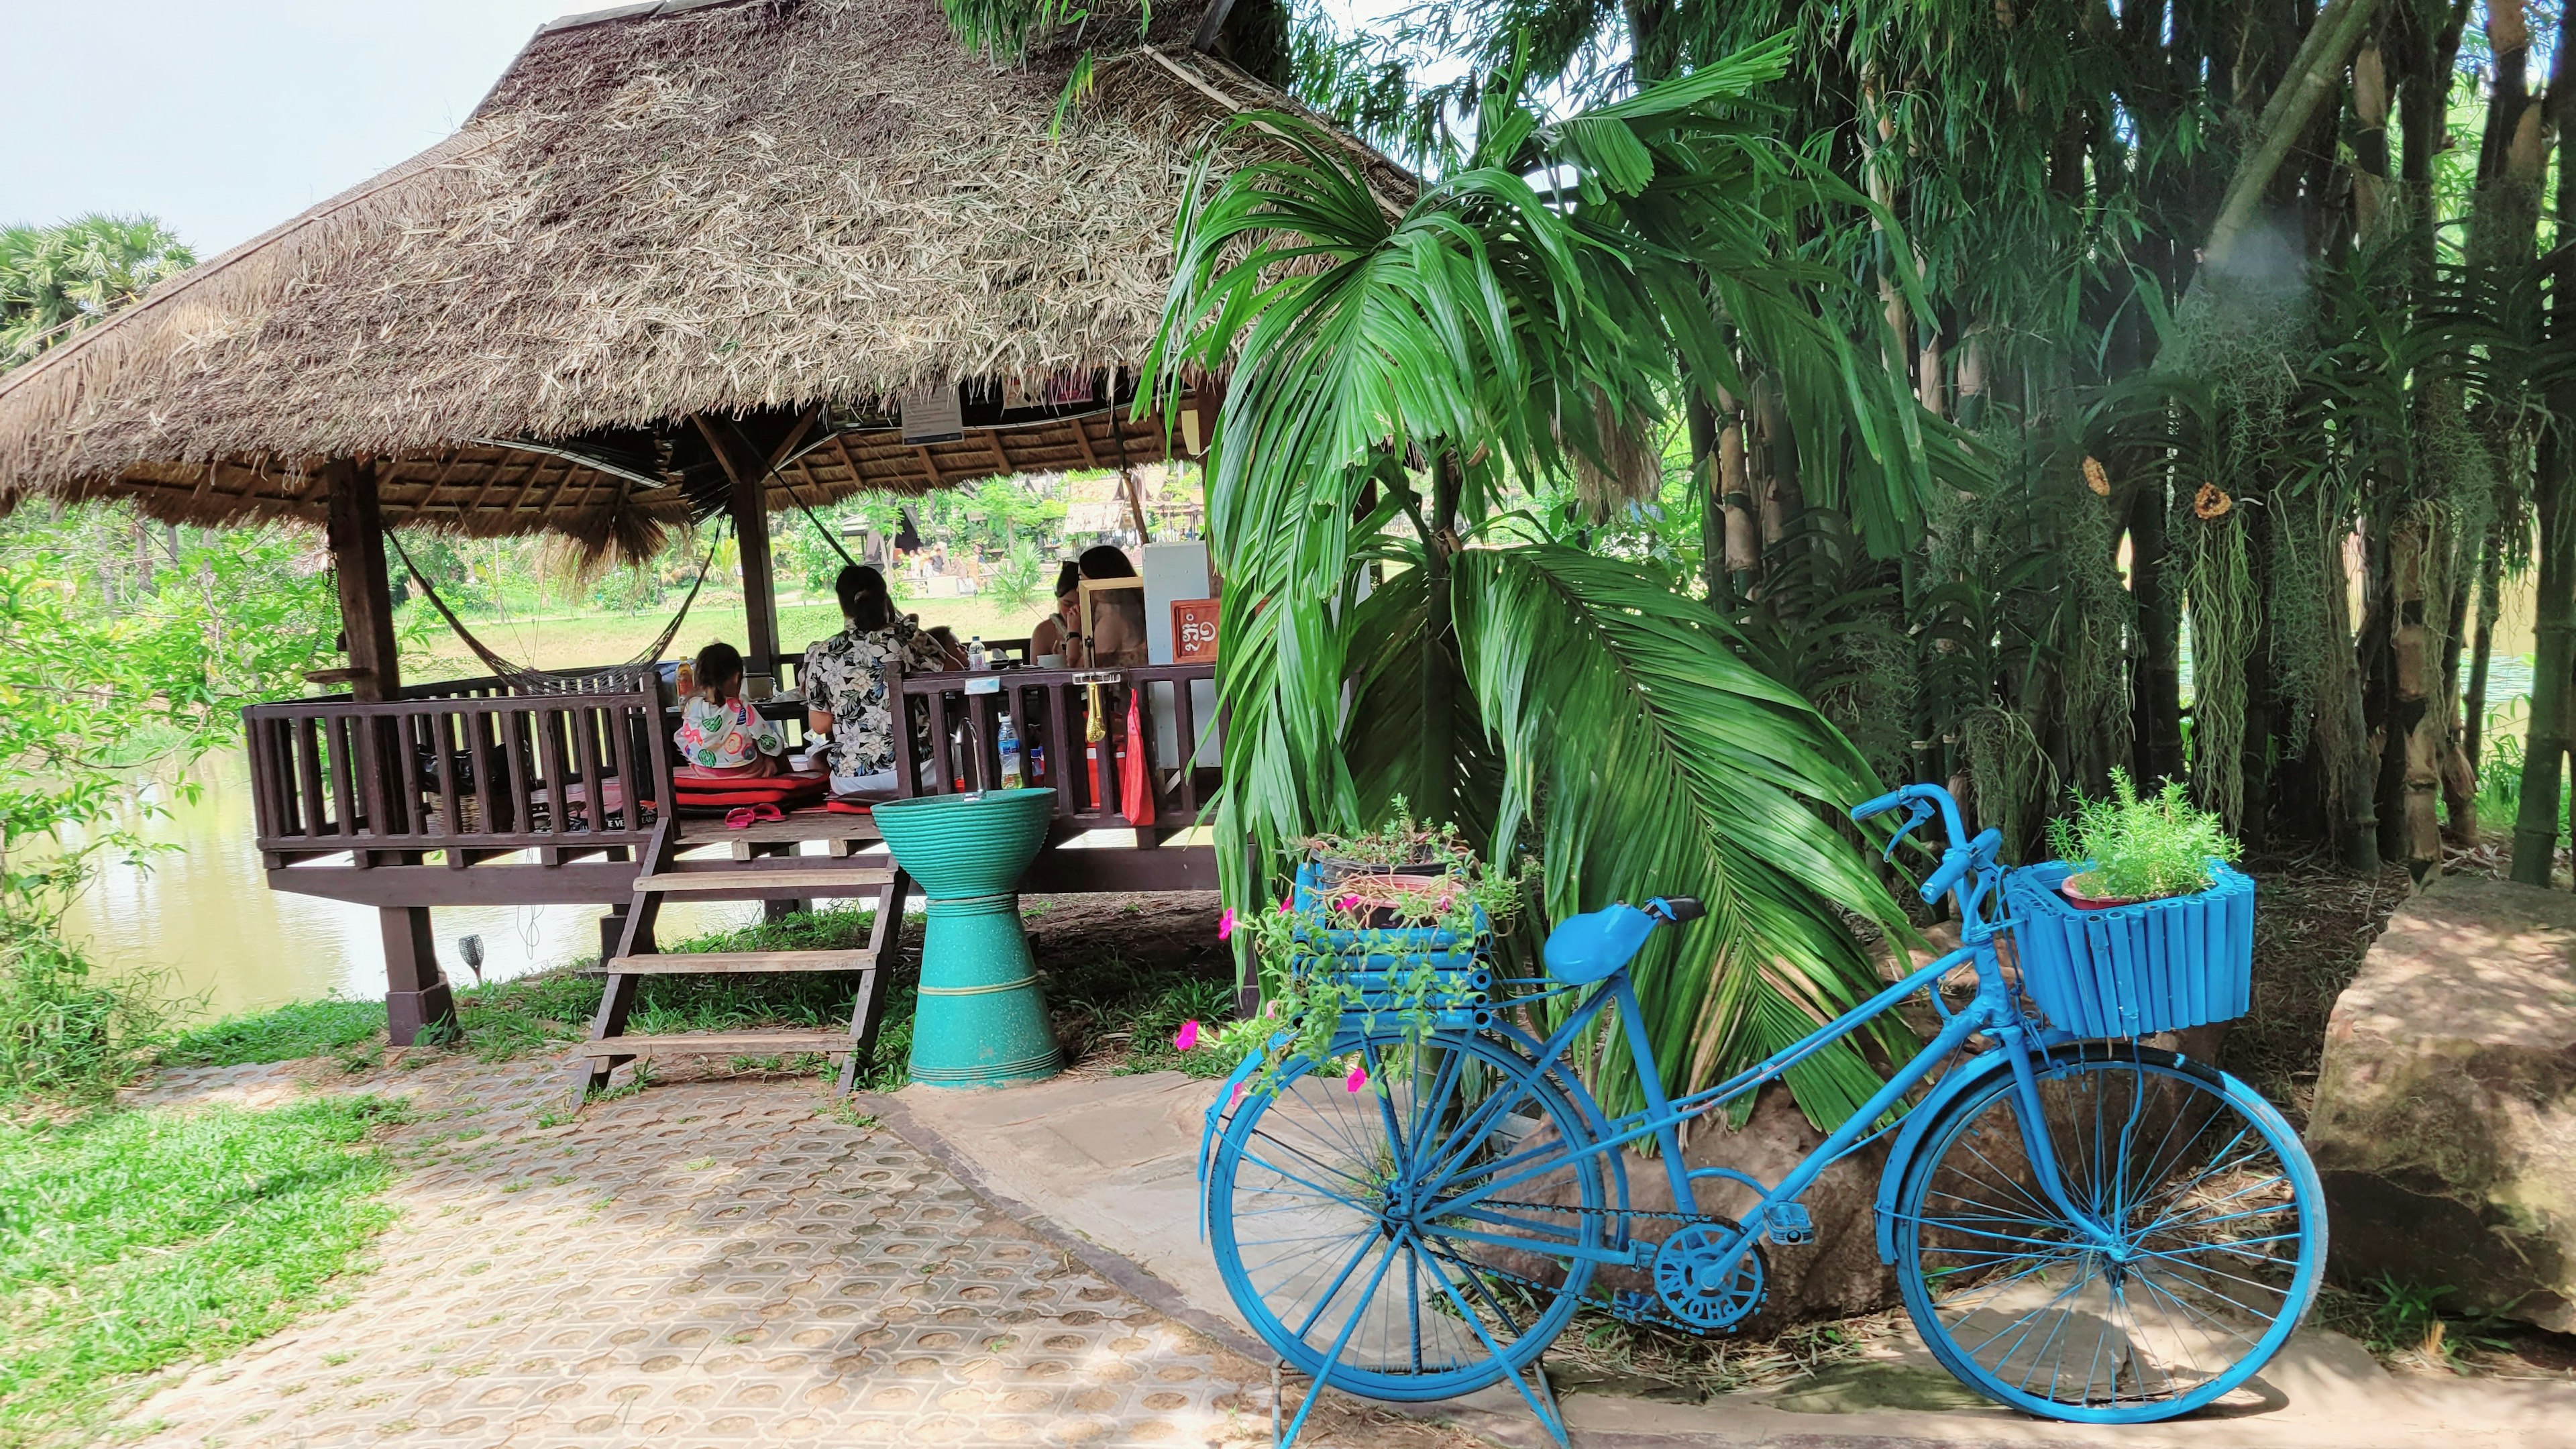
688,260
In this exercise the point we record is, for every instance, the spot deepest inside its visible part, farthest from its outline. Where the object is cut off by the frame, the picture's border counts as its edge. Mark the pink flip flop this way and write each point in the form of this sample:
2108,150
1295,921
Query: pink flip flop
741,816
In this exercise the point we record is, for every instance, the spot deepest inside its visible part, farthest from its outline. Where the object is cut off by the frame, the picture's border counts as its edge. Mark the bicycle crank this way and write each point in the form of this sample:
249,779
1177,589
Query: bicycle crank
1697,1283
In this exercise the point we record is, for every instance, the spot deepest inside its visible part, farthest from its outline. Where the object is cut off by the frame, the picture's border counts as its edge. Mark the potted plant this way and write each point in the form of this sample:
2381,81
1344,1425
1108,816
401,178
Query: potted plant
2126,848
2140,926
1384,925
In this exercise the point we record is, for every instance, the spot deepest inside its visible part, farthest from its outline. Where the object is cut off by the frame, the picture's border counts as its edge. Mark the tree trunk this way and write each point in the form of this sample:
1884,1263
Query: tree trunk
2535,829
2416,724
2158,733
1439,704
2535,826
2473,705
2315,72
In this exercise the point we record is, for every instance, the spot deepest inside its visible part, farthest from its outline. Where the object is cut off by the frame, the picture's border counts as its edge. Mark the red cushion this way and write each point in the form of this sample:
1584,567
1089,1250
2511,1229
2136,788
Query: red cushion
849,807
773,790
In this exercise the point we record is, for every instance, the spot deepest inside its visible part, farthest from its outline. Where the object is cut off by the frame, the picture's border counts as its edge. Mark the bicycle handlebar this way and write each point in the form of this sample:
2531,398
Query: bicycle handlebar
1963,856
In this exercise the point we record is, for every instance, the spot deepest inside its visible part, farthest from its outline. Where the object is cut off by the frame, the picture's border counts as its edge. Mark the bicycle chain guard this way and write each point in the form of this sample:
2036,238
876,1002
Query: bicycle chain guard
1688,1279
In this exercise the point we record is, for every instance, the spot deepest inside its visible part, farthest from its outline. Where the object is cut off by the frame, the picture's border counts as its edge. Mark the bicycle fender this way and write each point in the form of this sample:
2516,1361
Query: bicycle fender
1918,1124
1227,1096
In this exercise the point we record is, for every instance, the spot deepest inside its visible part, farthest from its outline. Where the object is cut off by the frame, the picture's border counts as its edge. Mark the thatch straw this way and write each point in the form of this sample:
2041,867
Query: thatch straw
712,207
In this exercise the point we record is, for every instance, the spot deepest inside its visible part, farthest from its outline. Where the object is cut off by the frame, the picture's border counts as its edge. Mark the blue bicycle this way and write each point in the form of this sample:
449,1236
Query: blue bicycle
2090,1230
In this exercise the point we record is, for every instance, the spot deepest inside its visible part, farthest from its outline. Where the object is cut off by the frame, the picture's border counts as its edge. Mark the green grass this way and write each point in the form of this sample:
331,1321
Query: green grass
280,1034
1100,1001
134,1241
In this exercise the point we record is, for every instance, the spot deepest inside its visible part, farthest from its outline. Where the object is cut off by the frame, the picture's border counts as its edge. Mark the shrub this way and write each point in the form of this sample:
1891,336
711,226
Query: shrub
2140,847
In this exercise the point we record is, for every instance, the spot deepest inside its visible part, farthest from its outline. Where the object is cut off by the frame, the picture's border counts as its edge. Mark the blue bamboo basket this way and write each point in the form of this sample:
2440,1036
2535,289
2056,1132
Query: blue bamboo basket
1380,963
2129,971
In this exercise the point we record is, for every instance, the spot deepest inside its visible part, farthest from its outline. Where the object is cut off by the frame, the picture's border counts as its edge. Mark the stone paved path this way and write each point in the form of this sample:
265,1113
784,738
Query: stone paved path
722,1262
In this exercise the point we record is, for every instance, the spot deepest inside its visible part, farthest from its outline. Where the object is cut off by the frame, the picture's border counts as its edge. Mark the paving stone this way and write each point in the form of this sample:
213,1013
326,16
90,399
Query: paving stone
713,1261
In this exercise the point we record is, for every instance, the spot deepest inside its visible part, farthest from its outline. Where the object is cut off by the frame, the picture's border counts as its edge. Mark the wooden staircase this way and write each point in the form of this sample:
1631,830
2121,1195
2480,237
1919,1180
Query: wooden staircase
750,875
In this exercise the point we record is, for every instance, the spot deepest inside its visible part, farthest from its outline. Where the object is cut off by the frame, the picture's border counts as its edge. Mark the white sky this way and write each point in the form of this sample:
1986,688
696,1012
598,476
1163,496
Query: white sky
226,117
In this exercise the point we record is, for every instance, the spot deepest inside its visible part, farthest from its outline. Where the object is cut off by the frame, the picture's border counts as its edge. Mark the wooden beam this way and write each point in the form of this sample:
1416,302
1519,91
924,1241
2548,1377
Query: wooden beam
748,506
356,534
858,476
930,465
1082,435
416,990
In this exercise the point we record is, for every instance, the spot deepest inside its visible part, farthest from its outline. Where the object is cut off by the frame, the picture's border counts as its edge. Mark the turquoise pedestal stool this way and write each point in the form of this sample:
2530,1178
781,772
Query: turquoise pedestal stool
980,1021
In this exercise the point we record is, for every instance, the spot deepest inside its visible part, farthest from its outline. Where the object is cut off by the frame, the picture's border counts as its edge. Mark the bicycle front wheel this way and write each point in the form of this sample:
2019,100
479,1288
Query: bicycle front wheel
1325,1211
2211,1242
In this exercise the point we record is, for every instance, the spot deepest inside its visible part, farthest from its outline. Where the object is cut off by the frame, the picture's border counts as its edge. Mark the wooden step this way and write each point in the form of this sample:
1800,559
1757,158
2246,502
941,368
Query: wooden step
755,883
713,963
720,1044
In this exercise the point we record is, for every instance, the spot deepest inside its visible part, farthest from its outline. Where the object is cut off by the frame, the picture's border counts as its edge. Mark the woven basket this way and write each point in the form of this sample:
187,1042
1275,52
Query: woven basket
2127,971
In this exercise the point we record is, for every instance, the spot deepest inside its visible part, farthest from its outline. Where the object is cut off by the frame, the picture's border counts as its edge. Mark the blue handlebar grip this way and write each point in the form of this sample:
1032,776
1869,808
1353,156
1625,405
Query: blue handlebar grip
1879,806
1954,868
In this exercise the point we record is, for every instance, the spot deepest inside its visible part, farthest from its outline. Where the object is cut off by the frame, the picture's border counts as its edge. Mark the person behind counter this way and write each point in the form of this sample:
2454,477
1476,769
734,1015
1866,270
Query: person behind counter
1118,619
1060,633
845,683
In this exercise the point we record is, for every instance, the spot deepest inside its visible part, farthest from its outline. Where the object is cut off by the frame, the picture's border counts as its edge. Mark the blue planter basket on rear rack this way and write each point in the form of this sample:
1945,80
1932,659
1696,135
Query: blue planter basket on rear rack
2127,971
1383,963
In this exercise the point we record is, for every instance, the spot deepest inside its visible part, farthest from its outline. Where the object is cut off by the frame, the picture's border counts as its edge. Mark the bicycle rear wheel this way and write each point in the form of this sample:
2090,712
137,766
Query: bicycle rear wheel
2216,1218
1316,1212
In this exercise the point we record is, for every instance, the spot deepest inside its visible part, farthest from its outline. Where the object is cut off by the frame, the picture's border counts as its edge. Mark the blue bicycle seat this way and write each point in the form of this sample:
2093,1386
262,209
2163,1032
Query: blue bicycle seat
1585,948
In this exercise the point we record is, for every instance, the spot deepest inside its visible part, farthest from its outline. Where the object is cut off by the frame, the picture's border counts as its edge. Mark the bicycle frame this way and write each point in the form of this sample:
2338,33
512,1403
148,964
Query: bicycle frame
1994,1012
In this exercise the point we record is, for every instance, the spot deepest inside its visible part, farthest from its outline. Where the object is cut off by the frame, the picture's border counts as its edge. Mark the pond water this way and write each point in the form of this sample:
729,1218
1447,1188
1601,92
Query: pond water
203,918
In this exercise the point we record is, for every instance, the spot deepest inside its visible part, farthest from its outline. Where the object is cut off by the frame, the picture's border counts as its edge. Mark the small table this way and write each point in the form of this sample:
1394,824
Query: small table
981,1021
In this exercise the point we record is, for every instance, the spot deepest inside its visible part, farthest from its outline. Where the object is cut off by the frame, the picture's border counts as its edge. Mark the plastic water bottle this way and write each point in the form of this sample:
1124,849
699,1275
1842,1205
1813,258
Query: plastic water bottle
1007,740
977,656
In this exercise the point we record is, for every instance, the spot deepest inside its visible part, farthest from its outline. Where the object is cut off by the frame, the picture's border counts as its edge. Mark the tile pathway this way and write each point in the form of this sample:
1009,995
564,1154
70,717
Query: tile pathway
723,1261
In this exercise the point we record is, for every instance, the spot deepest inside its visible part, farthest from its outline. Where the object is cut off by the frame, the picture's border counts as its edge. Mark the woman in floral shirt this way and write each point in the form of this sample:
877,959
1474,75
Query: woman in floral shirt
845,685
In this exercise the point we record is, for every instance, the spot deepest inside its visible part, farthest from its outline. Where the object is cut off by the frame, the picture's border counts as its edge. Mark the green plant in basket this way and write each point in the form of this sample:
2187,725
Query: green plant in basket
1387,893
2131,847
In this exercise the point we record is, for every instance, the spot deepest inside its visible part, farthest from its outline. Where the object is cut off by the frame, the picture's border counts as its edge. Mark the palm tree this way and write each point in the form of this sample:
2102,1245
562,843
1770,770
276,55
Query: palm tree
1398,376
55,280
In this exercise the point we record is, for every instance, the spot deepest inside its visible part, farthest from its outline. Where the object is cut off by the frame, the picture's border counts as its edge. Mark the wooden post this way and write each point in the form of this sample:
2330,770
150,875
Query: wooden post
749,509
416,990
356,535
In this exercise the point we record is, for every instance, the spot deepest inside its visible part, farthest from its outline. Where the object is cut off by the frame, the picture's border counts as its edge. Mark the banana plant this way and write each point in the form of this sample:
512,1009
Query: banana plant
1397,376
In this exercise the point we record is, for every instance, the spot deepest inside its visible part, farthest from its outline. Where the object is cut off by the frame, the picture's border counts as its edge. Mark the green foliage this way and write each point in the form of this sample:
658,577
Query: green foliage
55,280
1539,341
2136,847
122,645
1022,574
62,1034
279,1034
135,1241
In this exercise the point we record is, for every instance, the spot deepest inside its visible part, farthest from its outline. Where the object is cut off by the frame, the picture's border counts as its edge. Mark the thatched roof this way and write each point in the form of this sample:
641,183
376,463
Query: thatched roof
728,207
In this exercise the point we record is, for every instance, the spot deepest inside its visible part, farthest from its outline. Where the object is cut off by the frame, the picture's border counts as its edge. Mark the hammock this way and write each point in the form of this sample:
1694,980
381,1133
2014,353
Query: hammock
625,676
629,675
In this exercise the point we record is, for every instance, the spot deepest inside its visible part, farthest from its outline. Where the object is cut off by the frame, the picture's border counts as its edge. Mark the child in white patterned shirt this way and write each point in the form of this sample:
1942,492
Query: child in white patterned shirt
720,732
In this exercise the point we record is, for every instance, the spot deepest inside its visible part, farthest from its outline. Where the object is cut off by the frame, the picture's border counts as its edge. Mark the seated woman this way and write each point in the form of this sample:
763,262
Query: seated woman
845,684
1060,633
1118,619
720,732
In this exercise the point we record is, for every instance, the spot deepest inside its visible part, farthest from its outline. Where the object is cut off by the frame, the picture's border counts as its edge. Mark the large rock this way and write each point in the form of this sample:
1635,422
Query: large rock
2445,1122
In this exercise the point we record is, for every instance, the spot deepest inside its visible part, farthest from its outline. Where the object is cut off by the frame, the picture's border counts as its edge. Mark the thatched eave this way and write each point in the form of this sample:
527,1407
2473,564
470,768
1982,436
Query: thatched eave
739,207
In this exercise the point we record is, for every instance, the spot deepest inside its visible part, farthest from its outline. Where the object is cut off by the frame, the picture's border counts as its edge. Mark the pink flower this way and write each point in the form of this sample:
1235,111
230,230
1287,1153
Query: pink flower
1348,903
1188,1036
1237,1099
1357,1080
1225,924
1285,908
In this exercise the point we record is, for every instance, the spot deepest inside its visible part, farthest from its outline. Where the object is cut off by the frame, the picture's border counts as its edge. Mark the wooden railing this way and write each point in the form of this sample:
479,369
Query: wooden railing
1049,708
468,768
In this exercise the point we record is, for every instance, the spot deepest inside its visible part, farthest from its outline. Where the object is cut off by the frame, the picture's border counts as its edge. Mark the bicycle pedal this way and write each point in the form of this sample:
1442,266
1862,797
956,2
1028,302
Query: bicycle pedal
1789,1224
